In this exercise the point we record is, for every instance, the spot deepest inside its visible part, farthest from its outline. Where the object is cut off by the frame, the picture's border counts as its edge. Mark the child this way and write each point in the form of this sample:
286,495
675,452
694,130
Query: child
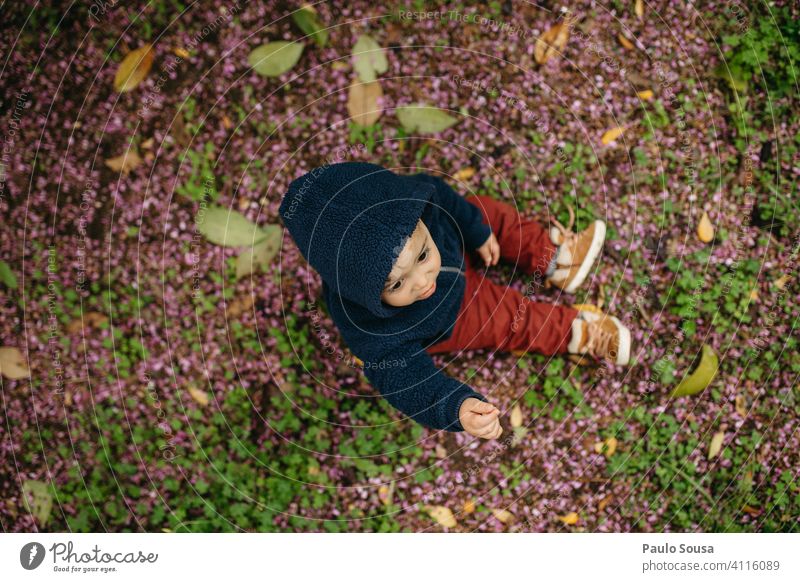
400,283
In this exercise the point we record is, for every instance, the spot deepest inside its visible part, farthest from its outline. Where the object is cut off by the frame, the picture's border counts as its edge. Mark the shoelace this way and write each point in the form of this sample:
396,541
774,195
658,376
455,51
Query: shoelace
599,340
567,236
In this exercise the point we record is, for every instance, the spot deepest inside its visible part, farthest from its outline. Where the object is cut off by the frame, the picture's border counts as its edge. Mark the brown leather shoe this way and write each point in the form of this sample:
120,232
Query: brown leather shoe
602,336
577,252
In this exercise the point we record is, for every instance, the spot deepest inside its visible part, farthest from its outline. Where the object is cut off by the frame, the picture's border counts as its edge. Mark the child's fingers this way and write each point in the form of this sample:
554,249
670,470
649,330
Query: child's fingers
489,432
486,420
483,407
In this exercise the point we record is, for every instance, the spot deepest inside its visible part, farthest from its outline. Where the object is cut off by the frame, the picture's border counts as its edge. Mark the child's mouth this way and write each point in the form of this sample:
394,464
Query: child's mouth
429,292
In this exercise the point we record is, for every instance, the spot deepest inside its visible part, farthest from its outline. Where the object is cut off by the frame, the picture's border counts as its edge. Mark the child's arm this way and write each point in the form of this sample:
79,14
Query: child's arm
411,383
467,217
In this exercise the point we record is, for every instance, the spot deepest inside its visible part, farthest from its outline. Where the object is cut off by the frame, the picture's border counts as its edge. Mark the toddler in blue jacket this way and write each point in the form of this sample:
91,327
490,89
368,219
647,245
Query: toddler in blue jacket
397,255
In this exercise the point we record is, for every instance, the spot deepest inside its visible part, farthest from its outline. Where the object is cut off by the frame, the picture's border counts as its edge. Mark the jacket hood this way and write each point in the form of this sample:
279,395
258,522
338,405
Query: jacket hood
350,221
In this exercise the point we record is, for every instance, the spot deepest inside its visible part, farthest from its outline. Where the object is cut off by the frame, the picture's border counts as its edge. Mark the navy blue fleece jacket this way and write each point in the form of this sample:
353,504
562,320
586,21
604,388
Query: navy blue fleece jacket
349,221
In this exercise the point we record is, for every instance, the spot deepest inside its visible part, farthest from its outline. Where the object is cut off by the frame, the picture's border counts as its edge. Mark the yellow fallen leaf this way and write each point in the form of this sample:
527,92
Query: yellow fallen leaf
359,363
464,174
134,68
551,42
12,364
148,143
128,161
610,445
645,95
625,42
781,282
363,102
442,515
716,445
570,519
469,506
638,8
181,52
313,471
503,515
385,493
612,135
754,294
705,230
516,416
199,396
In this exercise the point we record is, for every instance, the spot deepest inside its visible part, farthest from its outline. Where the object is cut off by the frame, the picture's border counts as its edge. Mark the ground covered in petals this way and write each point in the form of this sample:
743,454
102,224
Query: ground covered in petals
171,389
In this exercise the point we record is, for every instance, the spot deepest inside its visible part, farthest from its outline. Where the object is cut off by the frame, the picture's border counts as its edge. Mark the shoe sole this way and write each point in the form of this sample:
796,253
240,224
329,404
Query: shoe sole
591,256
624,351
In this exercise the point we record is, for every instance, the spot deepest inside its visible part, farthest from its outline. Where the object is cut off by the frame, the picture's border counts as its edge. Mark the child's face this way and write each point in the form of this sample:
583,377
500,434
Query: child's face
413,276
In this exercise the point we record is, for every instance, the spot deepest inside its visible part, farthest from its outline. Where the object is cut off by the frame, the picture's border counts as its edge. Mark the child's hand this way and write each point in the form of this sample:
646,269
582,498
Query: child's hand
480,418
490,251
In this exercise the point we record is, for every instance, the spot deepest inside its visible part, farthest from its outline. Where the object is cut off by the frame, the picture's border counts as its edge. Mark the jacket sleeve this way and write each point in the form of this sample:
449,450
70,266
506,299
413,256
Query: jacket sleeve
466,216
411,383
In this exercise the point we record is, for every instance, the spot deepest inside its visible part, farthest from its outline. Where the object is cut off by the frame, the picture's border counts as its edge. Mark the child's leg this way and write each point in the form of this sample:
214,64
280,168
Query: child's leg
522,241
501,318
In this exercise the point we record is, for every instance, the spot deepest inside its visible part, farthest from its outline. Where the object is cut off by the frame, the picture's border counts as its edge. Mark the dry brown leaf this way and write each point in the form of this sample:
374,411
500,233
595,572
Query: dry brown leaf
128,161
442,515
638,9
604,502
754,511
645,95
469,506
516,416
134,68
740,406
148,143
550,43
226,122
716,445
612,135
569,519
705,230
240,305
12,364
625,42
89,319
199,396
441,452
362,102
464,174
503,515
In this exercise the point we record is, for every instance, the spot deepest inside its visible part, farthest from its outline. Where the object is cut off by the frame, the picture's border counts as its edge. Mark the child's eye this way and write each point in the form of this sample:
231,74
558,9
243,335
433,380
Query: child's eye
395,286
424,255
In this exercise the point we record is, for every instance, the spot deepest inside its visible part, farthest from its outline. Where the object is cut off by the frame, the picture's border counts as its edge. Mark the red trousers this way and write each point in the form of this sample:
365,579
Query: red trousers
500,318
